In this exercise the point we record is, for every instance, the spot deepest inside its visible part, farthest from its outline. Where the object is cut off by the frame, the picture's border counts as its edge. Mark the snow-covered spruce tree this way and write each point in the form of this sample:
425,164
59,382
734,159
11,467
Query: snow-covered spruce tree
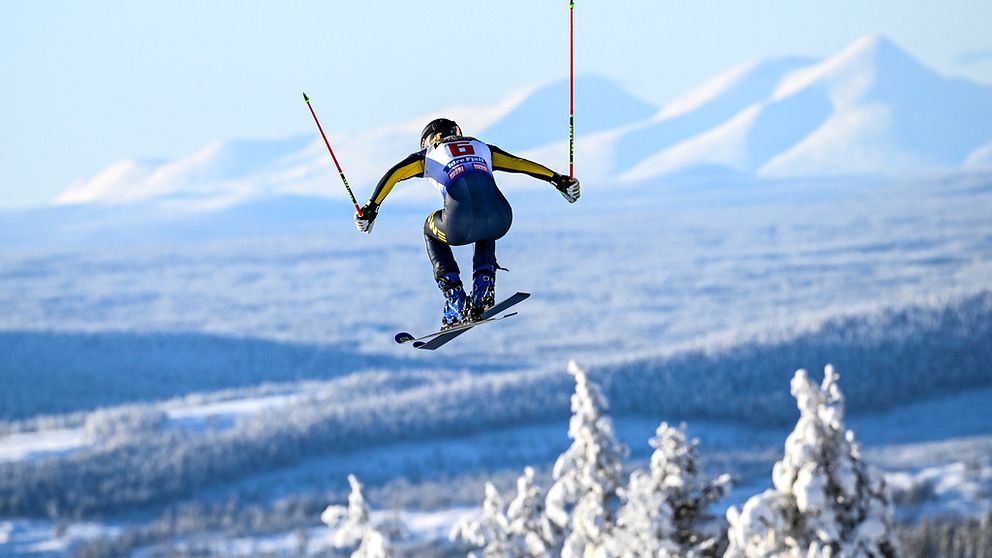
354,527
527,522
582,502
825,500
519,533
645,525
662,507
491,531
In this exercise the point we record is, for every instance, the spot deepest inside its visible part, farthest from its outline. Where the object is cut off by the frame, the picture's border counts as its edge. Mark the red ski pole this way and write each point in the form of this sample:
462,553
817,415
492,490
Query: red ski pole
571,90
331,151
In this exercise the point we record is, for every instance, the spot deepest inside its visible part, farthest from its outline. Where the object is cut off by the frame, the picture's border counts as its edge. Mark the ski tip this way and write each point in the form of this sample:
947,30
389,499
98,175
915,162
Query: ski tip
519,296
418,344
305,98
403,337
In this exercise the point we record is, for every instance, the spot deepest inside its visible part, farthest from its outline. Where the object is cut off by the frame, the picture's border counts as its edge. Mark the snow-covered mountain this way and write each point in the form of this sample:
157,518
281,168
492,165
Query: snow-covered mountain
870,109
218,173
704,108
224,173
539,119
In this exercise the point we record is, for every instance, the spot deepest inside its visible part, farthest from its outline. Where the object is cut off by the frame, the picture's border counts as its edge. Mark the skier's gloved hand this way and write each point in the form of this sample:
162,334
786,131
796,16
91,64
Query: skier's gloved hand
569,187
365,221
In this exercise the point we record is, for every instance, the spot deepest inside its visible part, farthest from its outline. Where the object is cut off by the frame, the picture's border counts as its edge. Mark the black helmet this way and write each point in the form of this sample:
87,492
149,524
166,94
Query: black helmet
437,130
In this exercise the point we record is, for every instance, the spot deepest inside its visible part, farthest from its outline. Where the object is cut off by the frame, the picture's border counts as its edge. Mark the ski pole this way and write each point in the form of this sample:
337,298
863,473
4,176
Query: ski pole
571,90
331,151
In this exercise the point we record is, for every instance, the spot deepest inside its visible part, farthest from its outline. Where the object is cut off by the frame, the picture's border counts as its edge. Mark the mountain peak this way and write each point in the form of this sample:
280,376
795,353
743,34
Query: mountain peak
536,119
749,81
872,42
878,50
852,72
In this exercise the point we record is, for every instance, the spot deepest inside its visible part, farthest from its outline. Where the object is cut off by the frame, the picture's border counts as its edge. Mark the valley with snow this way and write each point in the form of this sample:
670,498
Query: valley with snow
196,353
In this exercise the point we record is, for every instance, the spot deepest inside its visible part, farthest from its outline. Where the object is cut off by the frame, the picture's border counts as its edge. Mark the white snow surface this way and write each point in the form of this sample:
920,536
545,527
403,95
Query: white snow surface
227,411
35,445
37,538
980,158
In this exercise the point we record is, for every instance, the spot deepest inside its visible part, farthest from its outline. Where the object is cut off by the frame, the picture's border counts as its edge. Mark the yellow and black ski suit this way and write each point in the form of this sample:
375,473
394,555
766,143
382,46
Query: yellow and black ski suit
474,208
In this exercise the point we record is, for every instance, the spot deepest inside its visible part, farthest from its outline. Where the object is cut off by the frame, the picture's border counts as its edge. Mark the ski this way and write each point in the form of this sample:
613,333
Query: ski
404,337
434,340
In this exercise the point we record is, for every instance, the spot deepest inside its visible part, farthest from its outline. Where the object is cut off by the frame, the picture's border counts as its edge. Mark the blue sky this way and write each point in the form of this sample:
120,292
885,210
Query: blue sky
87,83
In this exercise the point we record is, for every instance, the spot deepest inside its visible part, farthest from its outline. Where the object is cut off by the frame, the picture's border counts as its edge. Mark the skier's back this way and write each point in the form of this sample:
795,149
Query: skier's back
475,211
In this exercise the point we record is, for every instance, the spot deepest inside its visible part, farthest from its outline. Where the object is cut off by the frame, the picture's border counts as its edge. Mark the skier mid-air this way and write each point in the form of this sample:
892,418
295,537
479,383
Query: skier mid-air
474,209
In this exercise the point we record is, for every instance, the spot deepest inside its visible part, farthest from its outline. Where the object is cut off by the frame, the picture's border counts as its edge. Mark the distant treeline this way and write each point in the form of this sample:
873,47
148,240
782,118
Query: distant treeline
948,537
886,359
84,371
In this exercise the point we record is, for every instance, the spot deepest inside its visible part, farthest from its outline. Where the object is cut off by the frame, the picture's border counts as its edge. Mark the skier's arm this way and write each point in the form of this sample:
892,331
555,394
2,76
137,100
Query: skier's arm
411,167
503,161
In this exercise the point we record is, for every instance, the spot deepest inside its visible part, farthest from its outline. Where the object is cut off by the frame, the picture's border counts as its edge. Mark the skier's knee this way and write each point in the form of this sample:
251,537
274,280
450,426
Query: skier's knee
431,228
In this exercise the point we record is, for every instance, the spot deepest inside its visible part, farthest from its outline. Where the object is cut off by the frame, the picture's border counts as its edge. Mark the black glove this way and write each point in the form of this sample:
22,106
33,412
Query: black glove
569,187
364,221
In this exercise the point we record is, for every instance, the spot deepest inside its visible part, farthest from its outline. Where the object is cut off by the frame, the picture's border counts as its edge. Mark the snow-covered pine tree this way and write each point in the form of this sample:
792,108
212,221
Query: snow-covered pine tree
351,522
826,501
353,525
662,507
491,531
644,523
527,522
582,502
374,545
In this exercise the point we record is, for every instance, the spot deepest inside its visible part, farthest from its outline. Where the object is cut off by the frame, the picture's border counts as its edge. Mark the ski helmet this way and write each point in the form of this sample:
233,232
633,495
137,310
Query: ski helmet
437,130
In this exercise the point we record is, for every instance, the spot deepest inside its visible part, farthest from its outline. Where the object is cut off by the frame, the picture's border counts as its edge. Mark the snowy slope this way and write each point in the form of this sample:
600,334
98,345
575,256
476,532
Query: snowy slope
870,109
705,108
888,109
980,158
541,119
221,173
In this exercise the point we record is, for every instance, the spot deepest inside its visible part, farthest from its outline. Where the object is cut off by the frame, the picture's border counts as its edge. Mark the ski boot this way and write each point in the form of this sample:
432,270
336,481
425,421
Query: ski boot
483,291
455,303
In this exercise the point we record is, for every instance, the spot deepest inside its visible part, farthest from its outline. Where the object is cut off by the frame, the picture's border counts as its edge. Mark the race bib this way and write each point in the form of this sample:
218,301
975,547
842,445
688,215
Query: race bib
447,161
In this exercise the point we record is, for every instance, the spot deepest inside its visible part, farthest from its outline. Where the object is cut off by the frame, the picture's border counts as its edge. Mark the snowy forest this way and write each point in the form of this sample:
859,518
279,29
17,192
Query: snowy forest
144,453
179,437
825,499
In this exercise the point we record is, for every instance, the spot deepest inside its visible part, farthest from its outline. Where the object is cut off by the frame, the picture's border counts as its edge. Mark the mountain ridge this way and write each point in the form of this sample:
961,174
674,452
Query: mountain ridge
869,109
